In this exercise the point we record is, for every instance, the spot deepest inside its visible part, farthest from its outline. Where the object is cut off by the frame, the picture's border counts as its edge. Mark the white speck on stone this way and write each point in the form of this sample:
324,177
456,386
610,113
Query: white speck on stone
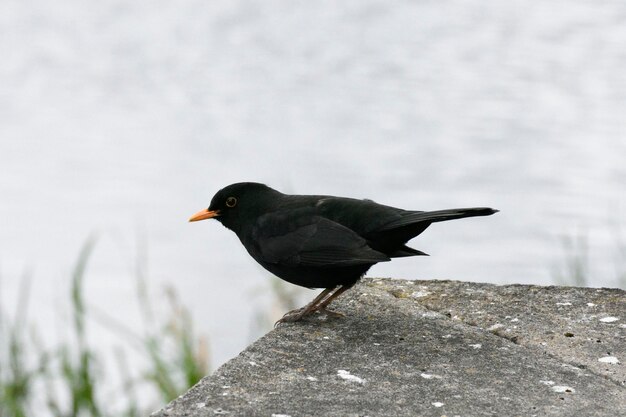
200,405
562,388
573,368
253,363
281,415
609,319
431,315
476,346
427,376
564,304
623,326
311,378
224,394
376,344
349,377
495,327
326,337
515,320
547,382
437,404
609,359
591,304
448,336
419,294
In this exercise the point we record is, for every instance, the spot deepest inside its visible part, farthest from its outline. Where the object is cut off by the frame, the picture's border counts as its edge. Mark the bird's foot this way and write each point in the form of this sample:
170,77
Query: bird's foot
293,315
318,304
330,313
300,313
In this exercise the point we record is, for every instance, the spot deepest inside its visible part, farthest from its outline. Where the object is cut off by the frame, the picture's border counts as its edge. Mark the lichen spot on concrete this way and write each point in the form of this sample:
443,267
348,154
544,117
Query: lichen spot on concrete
342,373
495,327
609,319
609,359
563,388
419,294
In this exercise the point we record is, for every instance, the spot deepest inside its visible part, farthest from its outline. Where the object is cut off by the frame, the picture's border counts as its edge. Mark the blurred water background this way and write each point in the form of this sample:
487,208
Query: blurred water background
121,119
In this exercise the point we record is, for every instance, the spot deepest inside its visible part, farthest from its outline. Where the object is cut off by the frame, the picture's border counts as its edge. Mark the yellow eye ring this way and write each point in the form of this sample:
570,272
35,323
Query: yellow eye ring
231,202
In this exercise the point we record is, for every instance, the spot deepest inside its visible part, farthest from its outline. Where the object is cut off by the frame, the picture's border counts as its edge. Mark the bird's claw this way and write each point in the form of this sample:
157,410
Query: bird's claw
299,314
291,316
330,313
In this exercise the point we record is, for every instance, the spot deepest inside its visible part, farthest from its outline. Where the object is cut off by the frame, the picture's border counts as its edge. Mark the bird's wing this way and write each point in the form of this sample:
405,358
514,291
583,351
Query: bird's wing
319,243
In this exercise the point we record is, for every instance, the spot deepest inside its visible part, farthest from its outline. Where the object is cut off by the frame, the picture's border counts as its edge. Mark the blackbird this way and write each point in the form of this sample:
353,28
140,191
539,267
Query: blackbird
320,241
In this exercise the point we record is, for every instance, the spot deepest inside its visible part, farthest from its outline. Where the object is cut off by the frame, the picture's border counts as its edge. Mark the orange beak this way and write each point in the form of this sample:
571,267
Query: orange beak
204,214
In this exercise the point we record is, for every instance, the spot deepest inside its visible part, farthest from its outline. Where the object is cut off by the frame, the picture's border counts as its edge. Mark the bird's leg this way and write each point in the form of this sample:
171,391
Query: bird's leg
296,315
322,306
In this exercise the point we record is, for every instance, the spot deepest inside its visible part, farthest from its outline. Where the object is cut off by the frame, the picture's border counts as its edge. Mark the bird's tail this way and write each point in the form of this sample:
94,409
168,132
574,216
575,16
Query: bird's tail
437,216
451,214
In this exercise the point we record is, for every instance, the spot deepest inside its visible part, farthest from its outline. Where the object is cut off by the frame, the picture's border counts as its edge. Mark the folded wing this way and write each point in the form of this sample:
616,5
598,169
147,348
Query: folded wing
319,243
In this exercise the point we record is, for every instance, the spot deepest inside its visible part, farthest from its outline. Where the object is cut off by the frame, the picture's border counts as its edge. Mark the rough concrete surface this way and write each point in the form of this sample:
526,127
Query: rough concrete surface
432,348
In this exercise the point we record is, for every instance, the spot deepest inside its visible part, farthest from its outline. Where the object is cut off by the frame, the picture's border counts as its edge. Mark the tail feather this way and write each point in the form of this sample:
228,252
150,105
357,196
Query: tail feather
404,251
414,217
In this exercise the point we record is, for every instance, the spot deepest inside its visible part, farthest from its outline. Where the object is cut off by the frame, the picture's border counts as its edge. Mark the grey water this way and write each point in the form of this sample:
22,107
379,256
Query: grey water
121,119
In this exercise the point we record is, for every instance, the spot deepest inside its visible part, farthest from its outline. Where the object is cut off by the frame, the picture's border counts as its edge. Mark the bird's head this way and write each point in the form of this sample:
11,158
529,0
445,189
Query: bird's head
237,204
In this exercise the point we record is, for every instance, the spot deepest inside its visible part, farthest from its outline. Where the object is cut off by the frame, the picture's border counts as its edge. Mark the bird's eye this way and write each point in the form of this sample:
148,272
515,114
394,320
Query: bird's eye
231,202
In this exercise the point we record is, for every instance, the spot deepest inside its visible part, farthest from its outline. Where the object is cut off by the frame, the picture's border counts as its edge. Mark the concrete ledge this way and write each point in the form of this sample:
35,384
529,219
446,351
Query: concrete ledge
432,348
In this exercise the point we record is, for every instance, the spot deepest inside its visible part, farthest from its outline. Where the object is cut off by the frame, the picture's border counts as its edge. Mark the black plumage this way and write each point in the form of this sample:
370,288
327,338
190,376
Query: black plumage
319,241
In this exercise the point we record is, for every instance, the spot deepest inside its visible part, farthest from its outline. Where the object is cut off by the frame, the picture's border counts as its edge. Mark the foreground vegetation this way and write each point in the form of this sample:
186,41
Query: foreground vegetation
66,381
